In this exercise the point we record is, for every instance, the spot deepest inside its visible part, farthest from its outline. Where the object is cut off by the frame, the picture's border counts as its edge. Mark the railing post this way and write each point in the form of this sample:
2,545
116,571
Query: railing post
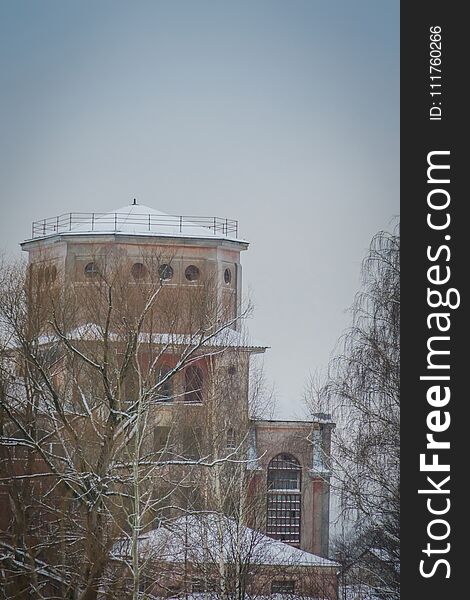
57,224
181,223
214,225
226,226
44,227
70,221
92,221
115,221
149,221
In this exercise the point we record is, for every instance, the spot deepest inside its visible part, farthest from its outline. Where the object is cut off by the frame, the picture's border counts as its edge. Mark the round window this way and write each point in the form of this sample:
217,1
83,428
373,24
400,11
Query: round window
192,273
227,276
165,272
91,270
138,270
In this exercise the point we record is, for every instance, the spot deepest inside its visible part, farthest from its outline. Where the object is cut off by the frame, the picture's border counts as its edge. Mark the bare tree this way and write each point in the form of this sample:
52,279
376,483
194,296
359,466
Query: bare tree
215,499
362,393
85,374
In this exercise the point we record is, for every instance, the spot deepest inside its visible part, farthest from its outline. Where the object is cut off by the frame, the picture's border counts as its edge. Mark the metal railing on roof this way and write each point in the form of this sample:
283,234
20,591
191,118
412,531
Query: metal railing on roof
120,222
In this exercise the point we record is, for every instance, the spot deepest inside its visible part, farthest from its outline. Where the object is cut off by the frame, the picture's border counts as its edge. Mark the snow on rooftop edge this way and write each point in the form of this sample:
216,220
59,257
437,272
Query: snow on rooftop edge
227,337
200,534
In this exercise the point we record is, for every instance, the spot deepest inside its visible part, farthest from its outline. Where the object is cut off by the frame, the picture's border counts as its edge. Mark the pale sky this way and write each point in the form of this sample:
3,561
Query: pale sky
281,114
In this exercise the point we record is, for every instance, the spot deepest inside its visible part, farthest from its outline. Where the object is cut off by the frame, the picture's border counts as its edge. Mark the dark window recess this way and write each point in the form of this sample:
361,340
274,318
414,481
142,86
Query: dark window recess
284,500
138,270
283,587
192,273
193,384
165,389
165,272
191,443
160,436
91,269
50,274
231,439
227,276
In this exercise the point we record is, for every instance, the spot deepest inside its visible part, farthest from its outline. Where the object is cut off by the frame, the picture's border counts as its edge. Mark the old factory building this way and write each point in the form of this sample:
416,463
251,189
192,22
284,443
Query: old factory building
178,344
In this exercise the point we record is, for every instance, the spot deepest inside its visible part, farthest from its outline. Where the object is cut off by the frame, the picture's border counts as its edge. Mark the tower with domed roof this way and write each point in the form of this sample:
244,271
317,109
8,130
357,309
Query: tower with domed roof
197,264
185,251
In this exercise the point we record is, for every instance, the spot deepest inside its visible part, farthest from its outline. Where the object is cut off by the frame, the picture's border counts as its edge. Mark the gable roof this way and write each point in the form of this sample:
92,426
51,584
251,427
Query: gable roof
203,537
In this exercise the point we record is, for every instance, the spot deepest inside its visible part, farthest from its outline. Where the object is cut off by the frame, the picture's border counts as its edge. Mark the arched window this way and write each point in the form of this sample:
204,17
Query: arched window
283,502
193,384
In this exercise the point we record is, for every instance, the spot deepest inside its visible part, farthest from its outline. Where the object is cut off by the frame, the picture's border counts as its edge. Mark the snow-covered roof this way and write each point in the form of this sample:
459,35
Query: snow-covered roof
206,536
225,338
140,220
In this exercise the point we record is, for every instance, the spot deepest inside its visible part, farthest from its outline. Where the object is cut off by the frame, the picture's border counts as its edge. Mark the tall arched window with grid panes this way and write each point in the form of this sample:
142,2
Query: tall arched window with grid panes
283,499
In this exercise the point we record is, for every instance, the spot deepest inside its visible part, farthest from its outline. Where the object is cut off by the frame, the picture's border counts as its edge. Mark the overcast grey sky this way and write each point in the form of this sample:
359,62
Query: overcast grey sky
281,114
